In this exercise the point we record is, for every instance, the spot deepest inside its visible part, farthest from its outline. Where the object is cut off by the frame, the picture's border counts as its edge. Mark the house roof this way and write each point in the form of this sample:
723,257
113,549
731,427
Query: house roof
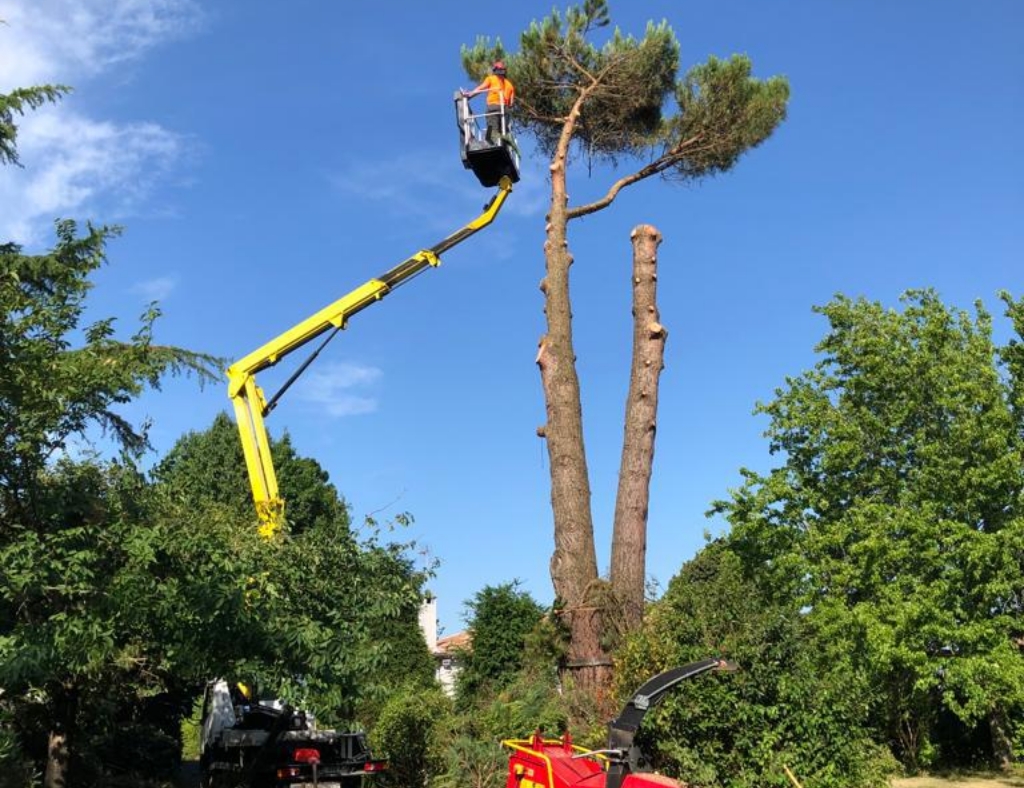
459,641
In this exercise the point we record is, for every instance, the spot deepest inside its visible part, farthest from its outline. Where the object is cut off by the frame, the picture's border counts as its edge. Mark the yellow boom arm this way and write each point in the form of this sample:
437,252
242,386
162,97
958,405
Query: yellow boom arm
251,407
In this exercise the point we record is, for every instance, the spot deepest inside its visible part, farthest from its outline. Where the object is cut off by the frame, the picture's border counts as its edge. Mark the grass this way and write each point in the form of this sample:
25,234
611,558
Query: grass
963,780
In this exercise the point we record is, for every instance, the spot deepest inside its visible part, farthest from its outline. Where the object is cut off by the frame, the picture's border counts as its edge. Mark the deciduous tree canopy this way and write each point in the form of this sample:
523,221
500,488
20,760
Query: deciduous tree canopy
121,596
501,618
895,515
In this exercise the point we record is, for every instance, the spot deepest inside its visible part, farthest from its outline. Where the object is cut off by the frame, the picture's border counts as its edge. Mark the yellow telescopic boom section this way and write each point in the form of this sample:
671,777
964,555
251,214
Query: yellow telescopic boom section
251,407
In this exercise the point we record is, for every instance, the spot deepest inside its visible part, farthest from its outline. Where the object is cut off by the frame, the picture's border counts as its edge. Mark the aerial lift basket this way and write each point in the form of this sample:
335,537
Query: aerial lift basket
489,159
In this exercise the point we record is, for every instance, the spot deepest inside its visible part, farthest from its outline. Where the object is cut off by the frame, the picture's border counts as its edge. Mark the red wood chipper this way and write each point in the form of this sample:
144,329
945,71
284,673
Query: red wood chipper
558,763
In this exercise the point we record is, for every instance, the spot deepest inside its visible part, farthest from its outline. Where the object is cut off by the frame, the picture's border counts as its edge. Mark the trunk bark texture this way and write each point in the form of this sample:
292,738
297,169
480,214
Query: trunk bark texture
1002,745
629,536
56,760
574,562
58,751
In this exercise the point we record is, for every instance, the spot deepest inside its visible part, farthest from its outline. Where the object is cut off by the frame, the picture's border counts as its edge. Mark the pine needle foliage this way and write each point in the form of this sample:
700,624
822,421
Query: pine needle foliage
627,96
16,103
59,378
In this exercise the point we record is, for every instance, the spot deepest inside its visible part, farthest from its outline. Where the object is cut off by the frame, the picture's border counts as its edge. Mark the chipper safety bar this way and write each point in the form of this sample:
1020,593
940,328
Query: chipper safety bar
251,407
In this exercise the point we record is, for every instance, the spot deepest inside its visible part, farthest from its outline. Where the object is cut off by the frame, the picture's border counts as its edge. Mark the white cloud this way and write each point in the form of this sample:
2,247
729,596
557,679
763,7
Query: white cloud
64,40
75,164
340,388
155,289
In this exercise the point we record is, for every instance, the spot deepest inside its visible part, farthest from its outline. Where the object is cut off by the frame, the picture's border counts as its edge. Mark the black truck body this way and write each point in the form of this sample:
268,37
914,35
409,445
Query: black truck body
248,743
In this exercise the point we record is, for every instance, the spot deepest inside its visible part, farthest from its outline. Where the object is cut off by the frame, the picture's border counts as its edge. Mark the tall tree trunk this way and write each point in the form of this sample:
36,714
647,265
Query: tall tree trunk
629,536
56,760
1002,746
58,750
574,562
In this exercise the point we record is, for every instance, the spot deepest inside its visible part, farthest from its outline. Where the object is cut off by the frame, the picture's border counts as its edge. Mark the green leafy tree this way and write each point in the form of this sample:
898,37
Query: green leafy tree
501,618
15,763
64,525
336,615
1012,356
208,467
781,707
894,516
117,610
52,391
60,520
129,596
613,101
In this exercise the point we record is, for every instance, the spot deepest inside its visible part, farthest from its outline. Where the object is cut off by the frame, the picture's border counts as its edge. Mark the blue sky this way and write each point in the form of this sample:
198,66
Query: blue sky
267,158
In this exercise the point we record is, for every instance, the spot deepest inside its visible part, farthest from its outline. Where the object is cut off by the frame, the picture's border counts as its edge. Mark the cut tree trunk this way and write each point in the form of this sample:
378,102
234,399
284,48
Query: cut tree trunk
574,561
629,536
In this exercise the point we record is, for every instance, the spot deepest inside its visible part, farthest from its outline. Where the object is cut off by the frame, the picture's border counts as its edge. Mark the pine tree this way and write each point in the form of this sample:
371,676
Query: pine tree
612,102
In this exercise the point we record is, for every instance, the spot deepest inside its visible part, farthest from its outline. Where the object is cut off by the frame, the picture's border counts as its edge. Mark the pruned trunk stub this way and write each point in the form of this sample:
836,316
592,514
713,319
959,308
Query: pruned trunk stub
629,536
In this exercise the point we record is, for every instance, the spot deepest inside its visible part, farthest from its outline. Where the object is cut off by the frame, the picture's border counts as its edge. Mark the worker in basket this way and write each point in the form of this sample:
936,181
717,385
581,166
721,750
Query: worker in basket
501,95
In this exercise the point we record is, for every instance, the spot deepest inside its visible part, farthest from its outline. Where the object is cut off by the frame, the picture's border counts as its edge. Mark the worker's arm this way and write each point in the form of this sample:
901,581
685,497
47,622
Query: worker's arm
250,404
483,87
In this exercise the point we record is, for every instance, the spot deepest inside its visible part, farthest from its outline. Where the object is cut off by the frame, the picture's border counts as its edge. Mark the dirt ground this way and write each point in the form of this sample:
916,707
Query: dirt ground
962,781
188,777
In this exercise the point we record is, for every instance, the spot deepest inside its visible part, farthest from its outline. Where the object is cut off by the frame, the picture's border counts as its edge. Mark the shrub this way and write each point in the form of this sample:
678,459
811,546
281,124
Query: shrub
409,734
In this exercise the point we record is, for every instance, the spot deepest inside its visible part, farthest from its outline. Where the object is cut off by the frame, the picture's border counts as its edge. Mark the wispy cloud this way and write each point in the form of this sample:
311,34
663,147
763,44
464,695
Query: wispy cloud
61,40
402,182
75,163
340,388
156,289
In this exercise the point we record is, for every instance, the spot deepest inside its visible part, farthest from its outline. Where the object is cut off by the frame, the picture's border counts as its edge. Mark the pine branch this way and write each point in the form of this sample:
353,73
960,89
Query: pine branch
18,101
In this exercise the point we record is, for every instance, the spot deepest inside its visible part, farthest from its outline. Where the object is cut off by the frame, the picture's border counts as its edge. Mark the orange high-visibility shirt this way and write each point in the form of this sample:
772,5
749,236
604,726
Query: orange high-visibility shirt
497,87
